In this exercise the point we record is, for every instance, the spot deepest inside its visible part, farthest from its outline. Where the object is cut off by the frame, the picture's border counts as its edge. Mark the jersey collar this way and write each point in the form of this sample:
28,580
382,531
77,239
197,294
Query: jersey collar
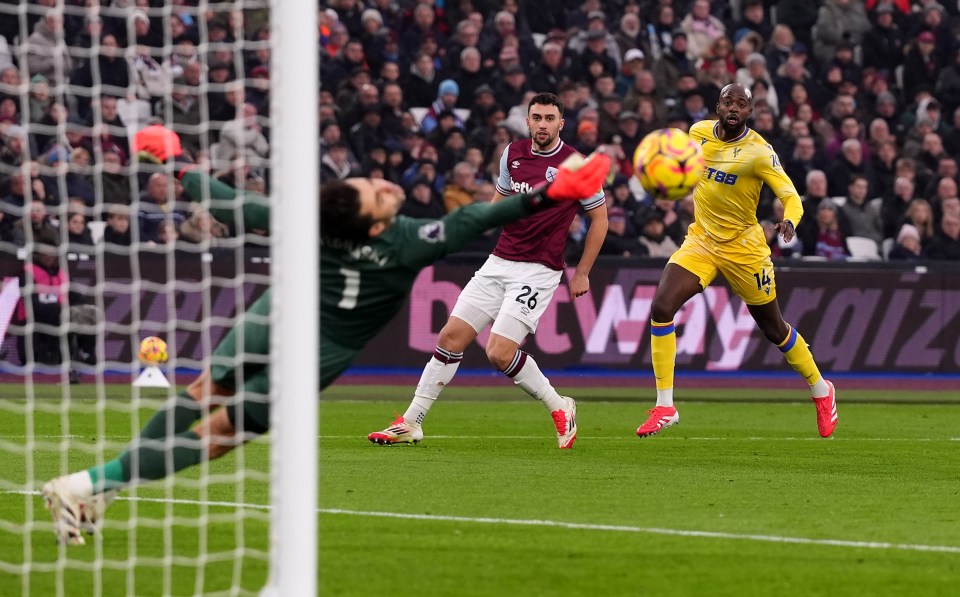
548,153
716,125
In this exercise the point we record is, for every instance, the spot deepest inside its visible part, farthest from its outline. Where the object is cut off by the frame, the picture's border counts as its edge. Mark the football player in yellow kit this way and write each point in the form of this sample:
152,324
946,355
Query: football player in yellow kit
726,238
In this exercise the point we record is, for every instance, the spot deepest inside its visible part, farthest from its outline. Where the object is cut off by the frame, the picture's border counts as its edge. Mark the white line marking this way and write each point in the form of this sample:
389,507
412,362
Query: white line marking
660,438
629,436
567,525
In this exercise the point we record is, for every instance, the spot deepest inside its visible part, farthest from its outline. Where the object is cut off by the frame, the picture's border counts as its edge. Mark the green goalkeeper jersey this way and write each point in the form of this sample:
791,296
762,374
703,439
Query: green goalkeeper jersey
363,286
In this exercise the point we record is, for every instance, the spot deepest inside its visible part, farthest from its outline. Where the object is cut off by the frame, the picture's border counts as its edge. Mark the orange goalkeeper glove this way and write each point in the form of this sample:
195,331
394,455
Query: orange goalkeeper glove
579,177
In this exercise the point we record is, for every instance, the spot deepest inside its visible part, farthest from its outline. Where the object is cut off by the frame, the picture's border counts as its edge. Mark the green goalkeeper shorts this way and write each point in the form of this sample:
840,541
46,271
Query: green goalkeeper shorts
249,410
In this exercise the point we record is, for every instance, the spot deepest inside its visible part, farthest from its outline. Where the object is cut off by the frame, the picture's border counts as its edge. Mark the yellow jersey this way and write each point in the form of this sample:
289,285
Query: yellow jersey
727,197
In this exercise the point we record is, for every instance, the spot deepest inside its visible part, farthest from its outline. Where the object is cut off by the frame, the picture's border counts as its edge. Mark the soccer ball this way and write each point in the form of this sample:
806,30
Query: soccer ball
153,350
668,163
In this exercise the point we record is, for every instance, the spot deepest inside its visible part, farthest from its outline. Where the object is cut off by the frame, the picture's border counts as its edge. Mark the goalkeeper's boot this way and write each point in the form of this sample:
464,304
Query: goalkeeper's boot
565,420
827,412
399,432
660,418
74,514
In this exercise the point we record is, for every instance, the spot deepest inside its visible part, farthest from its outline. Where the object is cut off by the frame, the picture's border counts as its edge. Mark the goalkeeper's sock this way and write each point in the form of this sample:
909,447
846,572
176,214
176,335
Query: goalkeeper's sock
151,455
524,372
663,349
106,476
797,353
436,375
181,411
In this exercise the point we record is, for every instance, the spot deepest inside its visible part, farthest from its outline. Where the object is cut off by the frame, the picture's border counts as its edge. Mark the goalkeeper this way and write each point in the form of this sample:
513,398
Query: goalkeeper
369,259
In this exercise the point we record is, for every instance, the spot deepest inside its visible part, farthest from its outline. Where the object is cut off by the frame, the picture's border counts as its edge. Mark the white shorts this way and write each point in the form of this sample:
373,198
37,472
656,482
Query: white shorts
512,294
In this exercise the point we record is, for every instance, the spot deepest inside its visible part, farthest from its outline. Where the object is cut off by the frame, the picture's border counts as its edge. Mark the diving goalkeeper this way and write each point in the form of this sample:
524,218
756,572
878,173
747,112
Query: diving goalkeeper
369,259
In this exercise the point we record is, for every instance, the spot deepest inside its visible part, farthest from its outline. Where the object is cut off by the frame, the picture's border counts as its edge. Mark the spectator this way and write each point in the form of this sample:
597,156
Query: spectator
849,129
618,241
422,82
702,29
908,245
849,162
244,136
35,227
838,21
884,167
79,239
629,36
895,205
158,204
816,191
335,162
422,201
552,69
803,160
43,57
512,88
117,231
112,74
621,196
781,44
883,43
831,242
460,189
946,244
921,65
920,214
673,62
424,25
862,217
448,93
653,233
948,84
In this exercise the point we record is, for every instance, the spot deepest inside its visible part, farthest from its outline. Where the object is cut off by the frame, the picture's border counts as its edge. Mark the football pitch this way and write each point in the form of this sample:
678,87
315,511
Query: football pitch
741,498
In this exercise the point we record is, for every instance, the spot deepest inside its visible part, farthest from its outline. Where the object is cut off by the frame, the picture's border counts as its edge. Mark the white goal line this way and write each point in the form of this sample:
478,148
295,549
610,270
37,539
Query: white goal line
578,526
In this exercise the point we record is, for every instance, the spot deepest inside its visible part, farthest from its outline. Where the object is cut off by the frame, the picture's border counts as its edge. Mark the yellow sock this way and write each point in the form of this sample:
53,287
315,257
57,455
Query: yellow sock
798,354
663,348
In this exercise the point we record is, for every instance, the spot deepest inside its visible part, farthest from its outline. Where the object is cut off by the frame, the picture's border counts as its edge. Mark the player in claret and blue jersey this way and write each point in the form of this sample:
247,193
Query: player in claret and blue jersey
726,238
515,285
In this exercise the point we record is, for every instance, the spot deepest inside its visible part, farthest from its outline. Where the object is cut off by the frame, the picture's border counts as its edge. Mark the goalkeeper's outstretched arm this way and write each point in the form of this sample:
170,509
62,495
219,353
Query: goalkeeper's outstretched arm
254,209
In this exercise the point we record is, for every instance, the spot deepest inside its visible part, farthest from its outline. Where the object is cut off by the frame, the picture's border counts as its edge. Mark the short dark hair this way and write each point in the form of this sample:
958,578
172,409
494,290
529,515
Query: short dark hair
857,176
340,216
546,99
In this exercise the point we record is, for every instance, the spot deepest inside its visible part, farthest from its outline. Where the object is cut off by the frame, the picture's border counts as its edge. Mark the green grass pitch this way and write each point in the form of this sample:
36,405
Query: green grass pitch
742,498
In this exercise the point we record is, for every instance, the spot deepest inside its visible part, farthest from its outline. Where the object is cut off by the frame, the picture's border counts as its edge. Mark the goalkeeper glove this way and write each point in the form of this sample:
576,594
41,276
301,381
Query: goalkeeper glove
577,178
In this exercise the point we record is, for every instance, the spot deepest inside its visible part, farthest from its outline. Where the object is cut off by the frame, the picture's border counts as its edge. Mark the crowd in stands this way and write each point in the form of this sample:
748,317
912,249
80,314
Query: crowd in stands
85,86
860,98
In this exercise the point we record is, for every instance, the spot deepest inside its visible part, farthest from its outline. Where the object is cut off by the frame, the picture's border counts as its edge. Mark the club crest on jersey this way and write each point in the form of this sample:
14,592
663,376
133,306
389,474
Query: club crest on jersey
551,173
736,151
432,233
515,164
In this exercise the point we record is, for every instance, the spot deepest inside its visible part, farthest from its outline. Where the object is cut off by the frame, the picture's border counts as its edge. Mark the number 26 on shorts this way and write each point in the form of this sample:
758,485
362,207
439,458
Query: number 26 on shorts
528,297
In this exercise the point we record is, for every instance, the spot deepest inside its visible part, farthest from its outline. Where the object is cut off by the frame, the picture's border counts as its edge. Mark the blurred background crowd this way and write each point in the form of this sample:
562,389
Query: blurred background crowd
860,98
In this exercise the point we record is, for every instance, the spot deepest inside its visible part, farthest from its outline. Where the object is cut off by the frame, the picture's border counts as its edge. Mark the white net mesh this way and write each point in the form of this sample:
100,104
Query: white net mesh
101,246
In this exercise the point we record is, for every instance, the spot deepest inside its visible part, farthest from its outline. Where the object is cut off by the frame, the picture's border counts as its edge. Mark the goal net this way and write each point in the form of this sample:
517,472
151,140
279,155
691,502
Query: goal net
150,153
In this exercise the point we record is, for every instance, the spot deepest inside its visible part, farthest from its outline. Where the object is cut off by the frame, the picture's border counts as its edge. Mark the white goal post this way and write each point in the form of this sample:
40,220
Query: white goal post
296,300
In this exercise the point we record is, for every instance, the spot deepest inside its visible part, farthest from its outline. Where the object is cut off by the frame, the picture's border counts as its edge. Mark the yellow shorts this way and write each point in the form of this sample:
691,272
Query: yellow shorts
744,261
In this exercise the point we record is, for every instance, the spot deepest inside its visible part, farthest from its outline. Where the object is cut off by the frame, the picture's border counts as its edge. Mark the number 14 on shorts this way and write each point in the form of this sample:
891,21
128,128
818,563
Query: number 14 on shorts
763,280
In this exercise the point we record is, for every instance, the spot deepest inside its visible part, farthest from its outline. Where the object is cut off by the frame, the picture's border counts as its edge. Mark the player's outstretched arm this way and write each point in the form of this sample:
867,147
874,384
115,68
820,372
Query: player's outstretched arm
576,179
223,200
